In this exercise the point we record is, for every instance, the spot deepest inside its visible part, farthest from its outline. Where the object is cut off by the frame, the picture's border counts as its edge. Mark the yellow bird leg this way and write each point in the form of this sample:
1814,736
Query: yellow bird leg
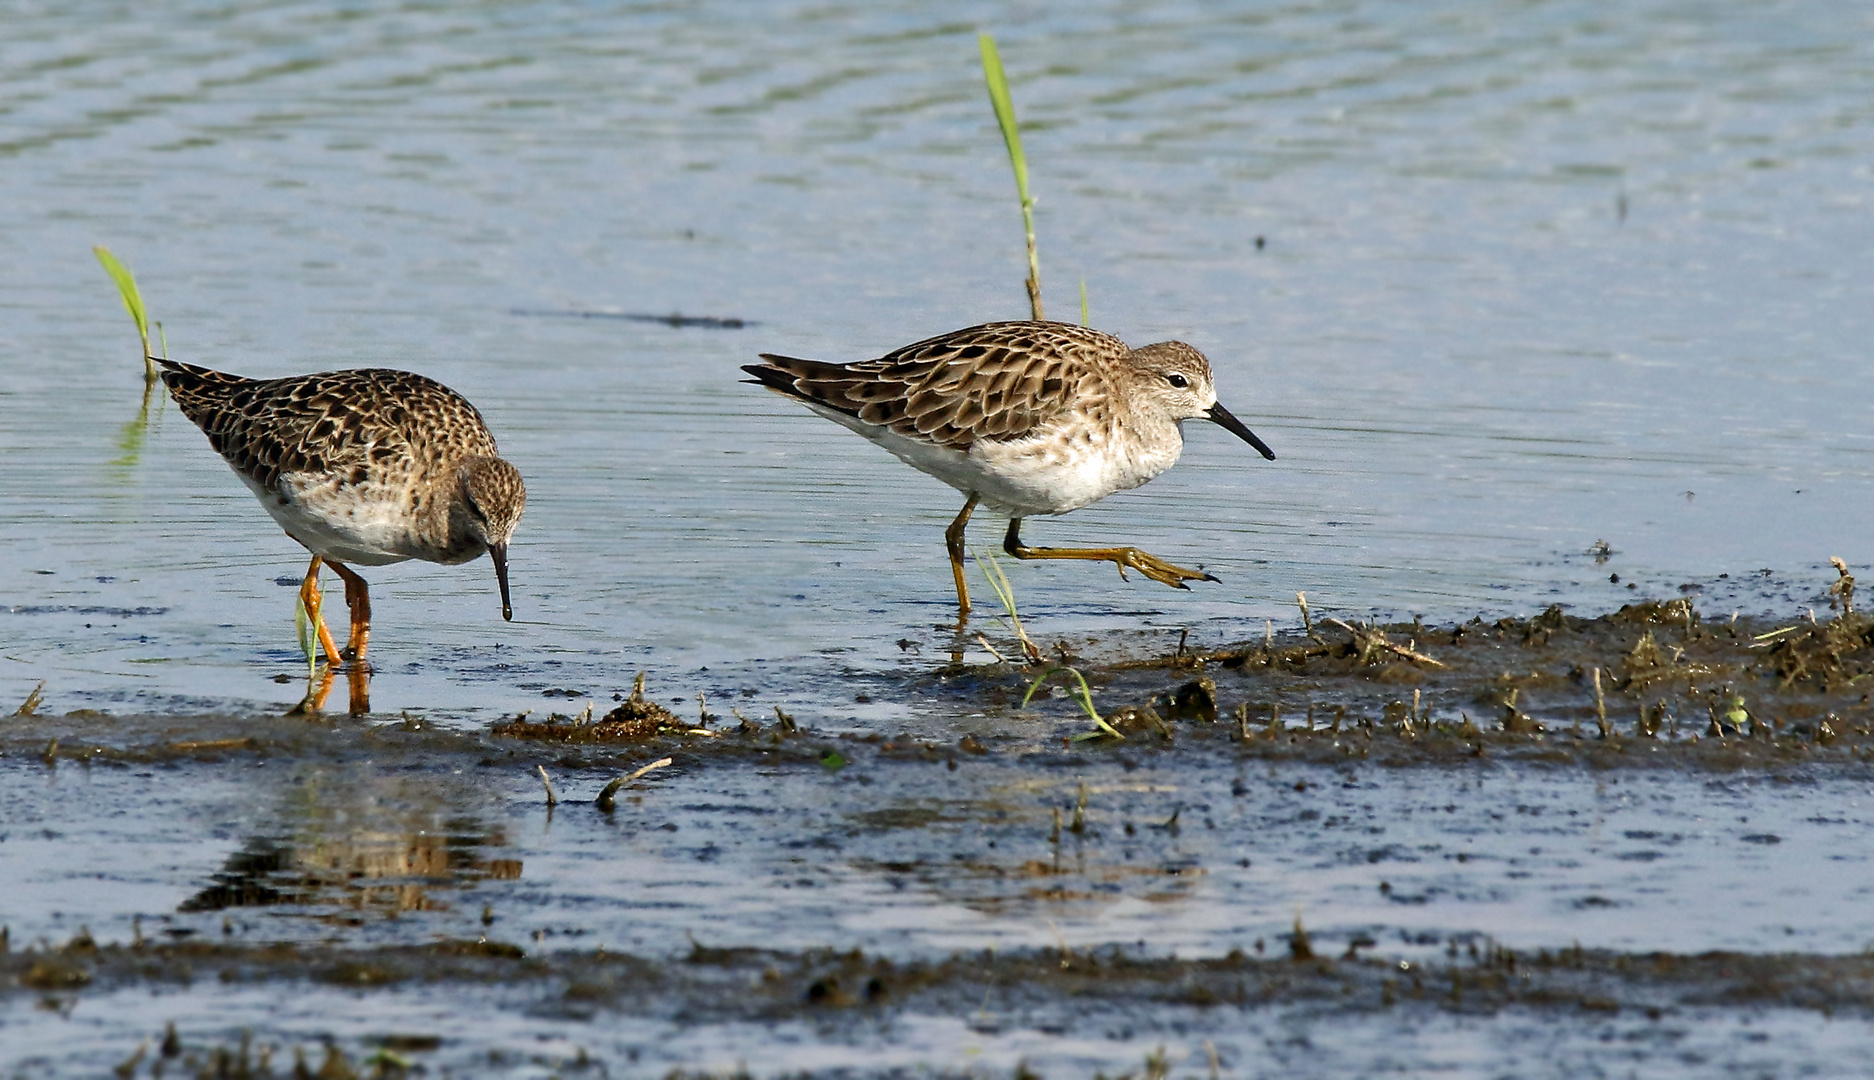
309,595
953,539
1145,563
358,598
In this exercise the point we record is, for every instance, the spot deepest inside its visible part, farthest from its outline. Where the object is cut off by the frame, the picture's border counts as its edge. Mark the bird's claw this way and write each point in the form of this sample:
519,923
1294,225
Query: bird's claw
1158,569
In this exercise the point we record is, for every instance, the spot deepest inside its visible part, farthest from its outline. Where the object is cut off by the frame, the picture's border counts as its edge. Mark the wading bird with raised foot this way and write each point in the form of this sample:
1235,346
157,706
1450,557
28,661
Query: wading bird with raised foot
1023,418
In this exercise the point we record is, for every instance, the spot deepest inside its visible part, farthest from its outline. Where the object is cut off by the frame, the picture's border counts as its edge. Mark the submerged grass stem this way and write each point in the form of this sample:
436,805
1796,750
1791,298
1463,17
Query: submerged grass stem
1005,593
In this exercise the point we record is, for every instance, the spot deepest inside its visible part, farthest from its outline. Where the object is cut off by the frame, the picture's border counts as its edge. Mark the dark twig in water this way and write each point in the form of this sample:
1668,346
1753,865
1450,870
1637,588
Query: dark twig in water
1600,706
607,800
674,319
1370,641
128,1067
1300,947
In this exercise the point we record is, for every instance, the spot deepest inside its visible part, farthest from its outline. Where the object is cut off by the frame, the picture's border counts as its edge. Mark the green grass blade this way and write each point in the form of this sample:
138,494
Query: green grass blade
1004,106
1086,703
1005,592
1036,685
1083,697
1005,113
302,621
1084,320
133,301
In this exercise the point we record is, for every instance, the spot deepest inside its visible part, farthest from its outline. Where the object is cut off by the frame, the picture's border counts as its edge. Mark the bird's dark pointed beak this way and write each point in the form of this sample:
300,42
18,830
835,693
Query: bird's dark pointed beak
499,554
1222,418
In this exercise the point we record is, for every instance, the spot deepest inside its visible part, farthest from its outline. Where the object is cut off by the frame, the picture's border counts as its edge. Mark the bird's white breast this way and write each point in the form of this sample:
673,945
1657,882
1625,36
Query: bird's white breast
1051,472
357,524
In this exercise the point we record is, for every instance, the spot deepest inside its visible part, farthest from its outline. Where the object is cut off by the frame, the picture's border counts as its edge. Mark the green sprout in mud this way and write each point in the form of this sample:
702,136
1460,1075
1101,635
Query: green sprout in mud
1735,714
1004,106
1083,695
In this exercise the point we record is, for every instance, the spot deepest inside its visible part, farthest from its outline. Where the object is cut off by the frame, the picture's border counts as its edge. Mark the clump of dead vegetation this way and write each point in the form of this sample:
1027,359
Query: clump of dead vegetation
1654,673
637,719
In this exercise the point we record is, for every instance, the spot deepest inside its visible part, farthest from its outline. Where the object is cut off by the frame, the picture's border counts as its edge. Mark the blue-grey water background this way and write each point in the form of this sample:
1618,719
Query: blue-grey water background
1497,281
1471,366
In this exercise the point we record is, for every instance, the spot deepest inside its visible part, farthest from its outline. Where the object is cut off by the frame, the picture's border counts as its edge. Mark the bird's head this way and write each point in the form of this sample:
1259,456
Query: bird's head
1174,379
492,500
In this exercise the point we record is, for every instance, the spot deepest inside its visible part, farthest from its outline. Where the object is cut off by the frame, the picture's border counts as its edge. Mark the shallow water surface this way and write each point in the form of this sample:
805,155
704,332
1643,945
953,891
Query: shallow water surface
687,924
1193,851
1531,278
1496,282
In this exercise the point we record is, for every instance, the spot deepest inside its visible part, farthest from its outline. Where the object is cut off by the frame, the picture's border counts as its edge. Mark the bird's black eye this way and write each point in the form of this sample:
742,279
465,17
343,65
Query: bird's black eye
1177,380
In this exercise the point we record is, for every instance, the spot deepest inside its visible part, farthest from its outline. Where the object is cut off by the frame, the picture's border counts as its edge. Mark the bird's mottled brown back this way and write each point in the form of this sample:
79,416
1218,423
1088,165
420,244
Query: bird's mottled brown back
998,381
339,423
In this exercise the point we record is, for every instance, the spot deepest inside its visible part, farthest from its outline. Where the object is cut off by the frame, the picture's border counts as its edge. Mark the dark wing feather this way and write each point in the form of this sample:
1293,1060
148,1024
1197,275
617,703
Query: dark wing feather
994,382
339,423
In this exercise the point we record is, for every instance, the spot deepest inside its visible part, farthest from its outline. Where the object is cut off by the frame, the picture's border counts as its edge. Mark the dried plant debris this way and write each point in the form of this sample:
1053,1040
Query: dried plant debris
1655,674
637,719
33,700
1834,656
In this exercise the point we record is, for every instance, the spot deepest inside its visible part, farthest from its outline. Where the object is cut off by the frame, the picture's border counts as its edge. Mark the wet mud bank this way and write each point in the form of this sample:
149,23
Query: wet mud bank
846,997
1653,683
1386,842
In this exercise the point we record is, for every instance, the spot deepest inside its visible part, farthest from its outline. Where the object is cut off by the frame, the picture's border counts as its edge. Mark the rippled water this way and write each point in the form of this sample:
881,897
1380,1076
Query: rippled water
1496,281
267,834
920,860
1472,364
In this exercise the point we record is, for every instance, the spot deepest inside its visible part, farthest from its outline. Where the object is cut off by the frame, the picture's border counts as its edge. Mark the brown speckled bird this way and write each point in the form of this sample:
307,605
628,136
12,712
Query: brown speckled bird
1025,418
368,467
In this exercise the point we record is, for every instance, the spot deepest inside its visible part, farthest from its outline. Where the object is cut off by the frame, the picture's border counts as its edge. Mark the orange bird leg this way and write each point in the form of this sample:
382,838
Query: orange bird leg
309,596
358,598
314,701
358,684
1145,563
953,540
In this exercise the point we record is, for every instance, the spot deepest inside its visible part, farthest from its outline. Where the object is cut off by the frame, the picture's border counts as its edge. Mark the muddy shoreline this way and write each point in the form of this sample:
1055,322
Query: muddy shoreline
797,877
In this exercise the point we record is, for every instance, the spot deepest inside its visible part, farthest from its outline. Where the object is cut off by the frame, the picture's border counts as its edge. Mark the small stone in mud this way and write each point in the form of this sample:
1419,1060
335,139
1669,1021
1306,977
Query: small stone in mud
1195,700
